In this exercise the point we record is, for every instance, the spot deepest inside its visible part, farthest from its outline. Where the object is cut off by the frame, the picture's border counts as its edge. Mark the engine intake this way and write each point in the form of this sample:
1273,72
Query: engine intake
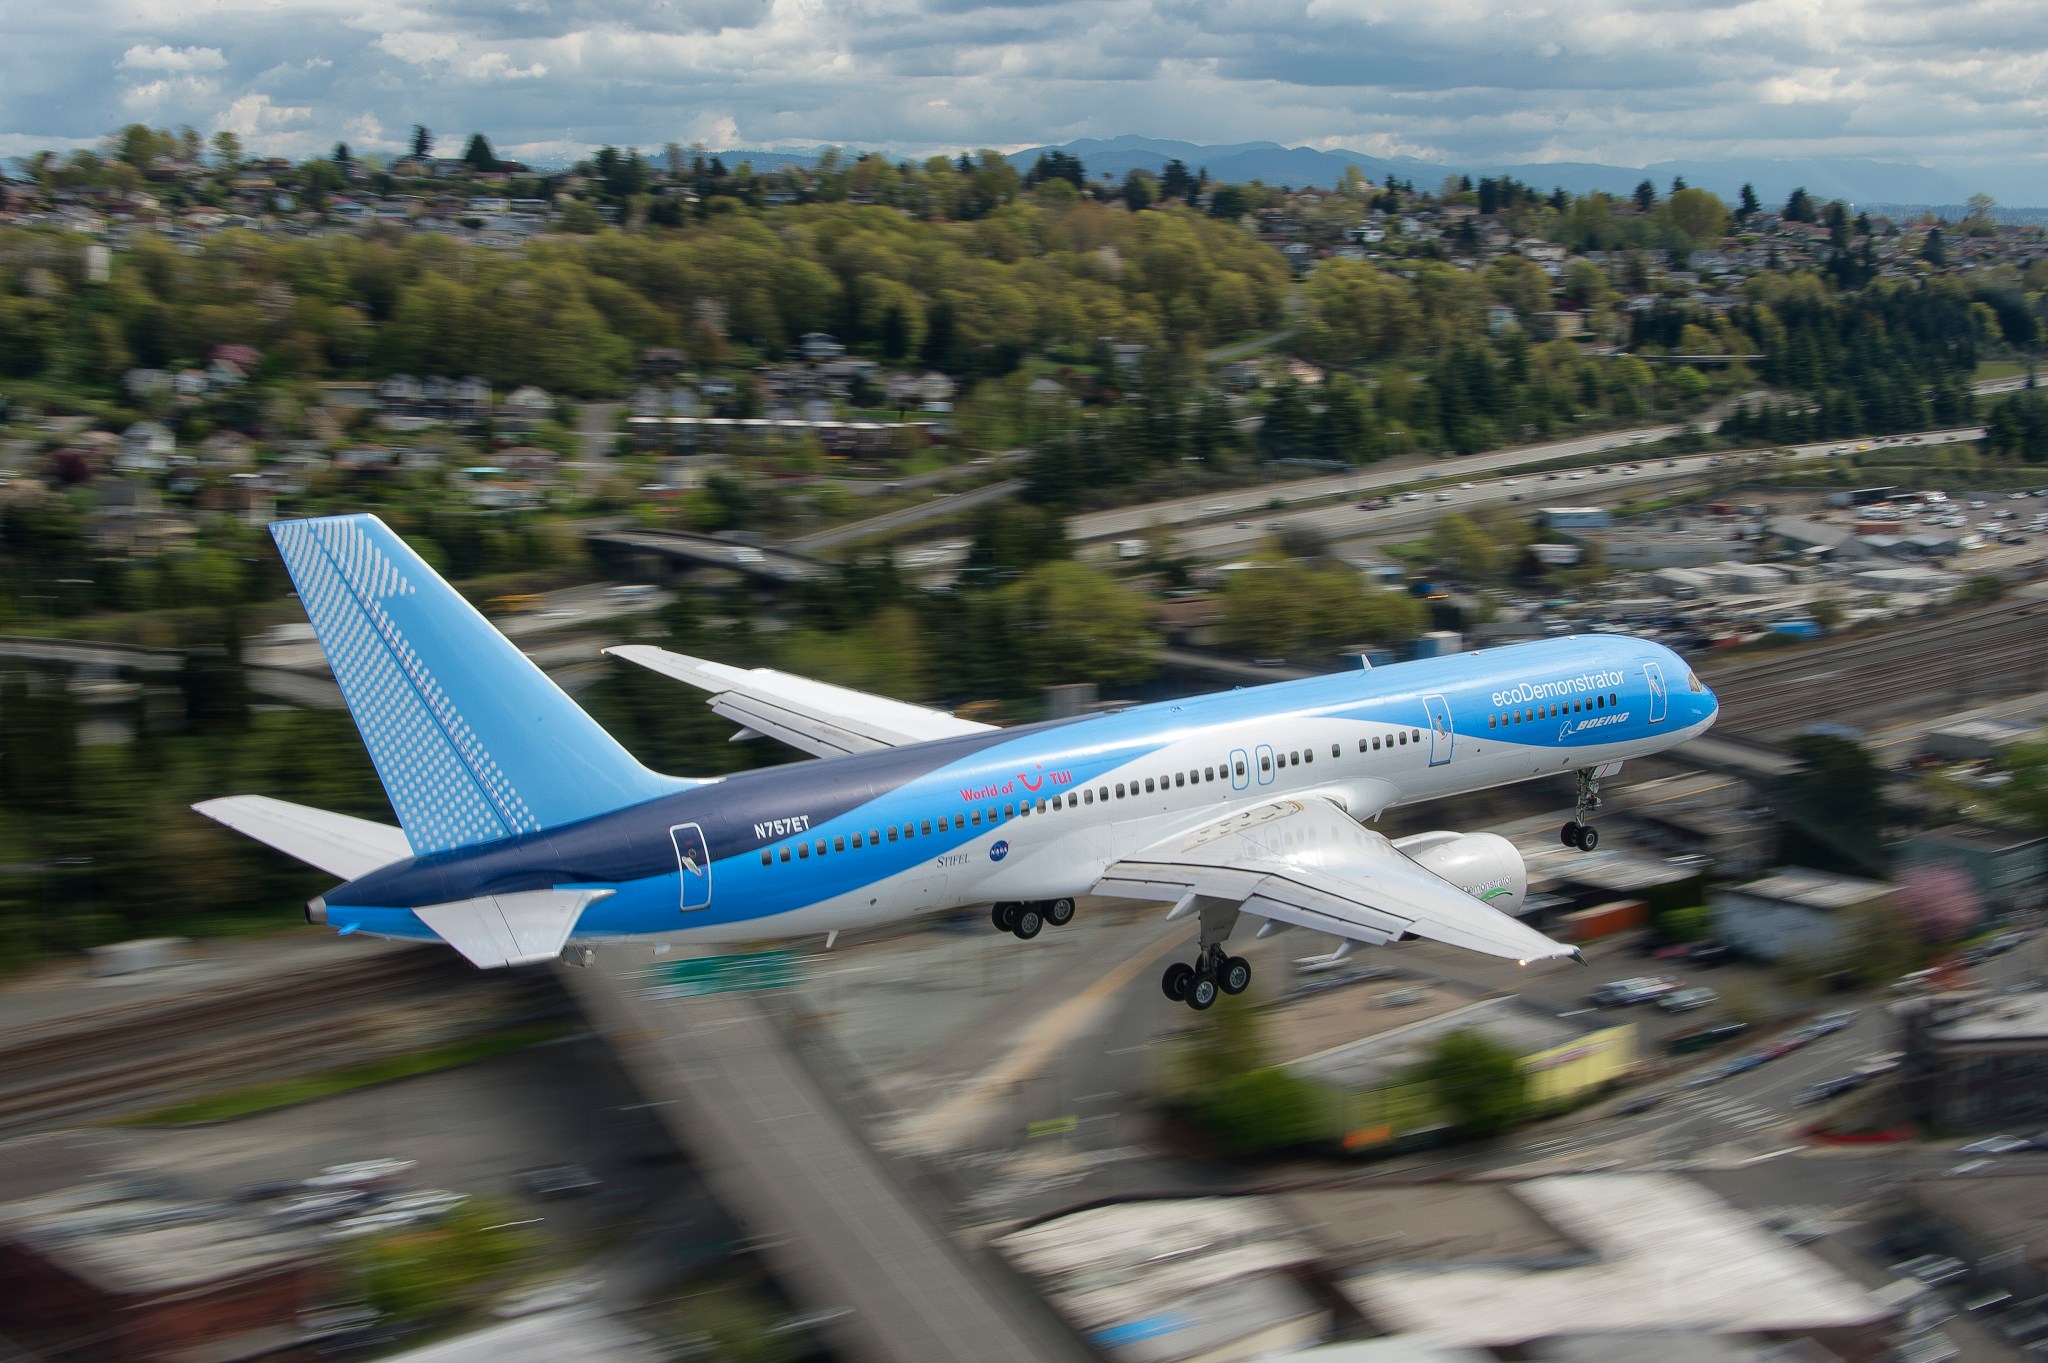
1483,865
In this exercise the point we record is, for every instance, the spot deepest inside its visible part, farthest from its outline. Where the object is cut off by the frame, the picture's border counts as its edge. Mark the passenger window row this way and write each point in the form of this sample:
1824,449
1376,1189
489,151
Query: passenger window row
1552,711
1194,776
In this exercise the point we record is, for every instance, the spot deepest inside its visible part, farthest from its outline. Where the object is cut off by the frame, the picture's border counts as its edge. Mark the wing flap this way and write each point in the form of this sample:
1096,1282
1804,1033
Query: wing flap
815,717
338,844
510,929
1306,863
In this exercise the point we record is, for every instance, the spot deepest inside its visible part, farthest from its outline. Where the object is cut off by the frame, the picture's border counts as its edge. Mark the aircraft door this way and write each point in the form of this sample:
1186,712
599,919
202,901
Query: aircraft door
1265,767
1240,770
1441,732
693,862
1660,697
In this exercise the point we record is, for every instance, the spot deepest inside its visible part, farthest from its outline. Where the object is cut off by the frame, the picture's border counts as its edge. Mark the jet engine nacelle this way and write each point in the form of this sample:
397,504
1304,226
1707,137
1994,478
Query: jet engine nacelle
1483,865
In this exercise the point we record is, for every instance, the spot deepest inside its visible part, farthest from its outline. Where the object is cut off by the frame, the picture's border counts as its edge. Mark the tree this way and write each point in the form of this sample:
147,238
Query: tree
1140,189
422,142
1831,811
1749,206
1934,250
1477,1082
1082,624
1519,283
227,150
1645,197
478,154
1700,215
2026,796
1978,222
1800,207
1175,182
1940,901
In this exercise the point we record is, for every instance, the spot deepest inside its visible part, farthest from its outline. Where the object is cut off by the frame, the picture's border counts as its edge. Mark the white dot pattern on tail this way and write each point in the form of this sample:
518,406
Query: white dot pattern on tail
445,787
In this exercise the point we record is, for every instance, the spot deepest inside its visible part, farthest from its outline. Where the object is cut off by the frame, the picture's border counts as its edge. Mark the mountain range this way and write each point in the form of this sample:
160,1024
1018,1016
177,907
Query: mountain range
1857,181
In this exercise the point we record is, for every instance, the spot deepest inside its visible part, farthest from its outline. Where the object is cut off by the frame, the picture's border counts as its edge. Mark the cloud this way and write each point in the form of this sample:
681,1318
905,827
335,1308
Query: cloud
498,66
1963,86
142,58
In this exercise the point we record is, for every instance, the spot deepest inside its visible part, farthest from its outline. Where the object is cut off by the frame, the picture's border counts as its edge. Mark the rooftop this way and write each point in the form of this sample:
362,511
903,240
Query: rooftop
1813,889
1363,1061
1979,837
1670,1255
2005,1017
131,1240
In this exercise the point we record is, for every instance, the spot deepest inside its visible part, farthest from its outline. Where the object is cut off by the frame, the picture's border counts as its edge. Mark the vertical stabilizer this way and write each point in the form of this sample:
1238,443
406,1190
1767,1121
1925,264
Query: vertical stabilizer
472,741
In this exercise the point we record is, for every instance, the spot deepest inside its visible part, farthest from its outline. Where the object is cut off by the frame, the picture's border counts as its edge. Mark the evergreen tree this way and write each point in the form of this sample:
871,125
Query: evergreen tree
422,141
1645,197
478,155
1749,206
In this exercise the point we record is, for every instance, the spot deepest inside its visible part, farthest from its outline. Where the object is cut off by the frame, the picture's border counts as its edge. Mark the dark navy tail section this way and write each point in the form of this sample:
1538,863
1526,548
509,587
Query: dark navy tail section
472,741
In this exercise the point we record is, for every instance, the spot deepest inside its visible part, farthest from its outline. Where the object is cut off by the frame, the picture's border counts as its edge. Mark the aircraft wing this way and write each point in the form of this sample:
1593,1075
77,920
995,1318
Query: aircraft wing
1306,863
816,717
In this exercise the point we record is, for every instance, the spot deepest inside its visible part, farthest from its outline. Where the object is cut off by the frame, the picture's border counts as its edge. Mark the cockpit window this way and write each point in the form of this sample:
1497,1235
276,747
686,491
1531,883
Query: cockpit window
1693,683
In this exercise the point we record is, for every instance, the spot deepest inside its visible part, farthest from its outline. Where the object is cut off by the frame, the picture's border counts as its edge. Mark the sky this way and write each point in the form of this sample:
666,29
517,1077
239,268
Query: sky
1960,86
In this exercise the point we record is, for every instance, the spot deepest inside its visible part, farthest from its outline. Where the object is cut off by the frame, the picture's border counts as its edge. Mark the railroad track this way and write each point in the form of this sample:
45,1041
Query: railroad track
153,1053
1931,666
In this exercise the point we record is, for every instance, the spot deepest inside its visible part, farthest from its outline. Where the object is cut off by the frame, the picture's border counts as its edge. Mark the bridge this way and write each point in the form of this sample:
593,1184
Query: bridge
703,551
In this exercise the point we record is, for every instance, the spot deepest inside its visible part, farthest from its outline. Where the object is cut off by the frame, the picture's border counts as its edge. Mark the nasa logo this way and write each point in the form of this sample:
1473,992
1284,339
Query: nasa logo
999,851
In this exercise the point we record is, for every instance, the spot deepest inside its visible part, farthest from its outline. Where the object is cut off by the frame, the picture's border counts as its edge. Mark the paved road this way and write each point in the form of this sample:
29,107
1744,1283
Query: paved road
952,504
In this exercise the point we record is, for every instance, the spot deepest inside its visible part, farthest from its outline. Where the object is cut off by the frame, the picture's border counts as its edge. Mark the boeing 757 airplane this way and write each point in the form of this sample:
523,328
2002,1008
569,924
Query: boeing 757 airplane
527,833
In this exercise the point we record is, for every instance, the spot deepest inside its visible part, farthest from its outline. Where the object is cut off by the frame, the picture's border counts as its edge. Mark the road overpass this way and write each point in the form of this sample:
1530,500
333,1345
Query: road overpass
834,1220
781,566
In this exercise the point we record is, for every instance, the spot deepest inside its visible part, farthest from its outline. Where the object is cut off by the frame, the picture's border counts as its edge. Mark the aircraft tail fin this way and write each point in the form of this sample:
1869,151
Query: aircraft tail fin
472,741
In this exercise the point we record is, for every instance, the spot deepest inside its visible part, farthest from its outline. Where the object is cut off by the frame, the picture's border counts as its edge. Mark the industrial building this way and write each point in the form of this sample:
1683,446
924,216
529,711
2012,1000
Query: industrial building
1338,1040
1976,1062
1440,1273
121,1270
1795,912
2009,866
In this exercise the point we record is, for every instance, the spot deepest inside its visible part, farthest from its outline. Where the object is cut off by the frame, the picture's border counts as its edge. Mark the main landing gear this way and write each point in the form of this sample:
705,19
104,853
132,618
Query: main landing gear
1027,919
1213,972
1579,832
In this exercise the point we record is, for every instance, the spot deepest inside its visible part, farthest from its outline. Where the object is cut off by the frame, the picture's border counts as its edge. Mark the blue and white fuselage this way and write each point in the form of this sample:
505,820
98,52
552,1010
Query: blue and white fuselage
525,827
1038,813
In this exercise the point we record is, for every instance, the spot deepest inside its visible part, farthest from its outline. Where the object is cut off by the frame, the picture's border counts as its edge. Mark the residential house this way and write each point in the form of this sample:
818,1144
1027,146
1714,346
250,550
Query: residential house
146,447
818,346
524,409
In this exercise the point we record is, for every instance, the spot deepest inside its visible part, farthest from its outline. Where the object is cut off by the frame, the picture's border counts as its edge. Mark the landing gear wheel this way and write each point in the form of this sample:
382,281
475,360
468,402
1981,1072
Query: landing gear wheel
1237,975
1589,837
1202,992
1004,916
1569,834
1174,983
1059,912
1028,922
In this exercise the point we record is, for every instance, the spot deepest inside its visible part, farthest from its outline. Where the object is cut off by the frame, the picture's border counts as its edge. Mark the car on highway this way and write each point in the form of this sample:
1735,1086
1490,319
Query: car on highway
1996,1145
1641,1103
1465,486
366,1173
1623,993
1829,1088
1685,1000
1827,1024
551,1182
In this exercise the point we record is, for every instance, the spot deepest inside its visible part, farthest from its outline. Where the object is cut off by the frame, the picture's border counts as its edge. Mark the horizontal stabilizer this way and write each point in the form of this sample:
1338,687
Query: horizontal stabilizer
338,844
510,929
